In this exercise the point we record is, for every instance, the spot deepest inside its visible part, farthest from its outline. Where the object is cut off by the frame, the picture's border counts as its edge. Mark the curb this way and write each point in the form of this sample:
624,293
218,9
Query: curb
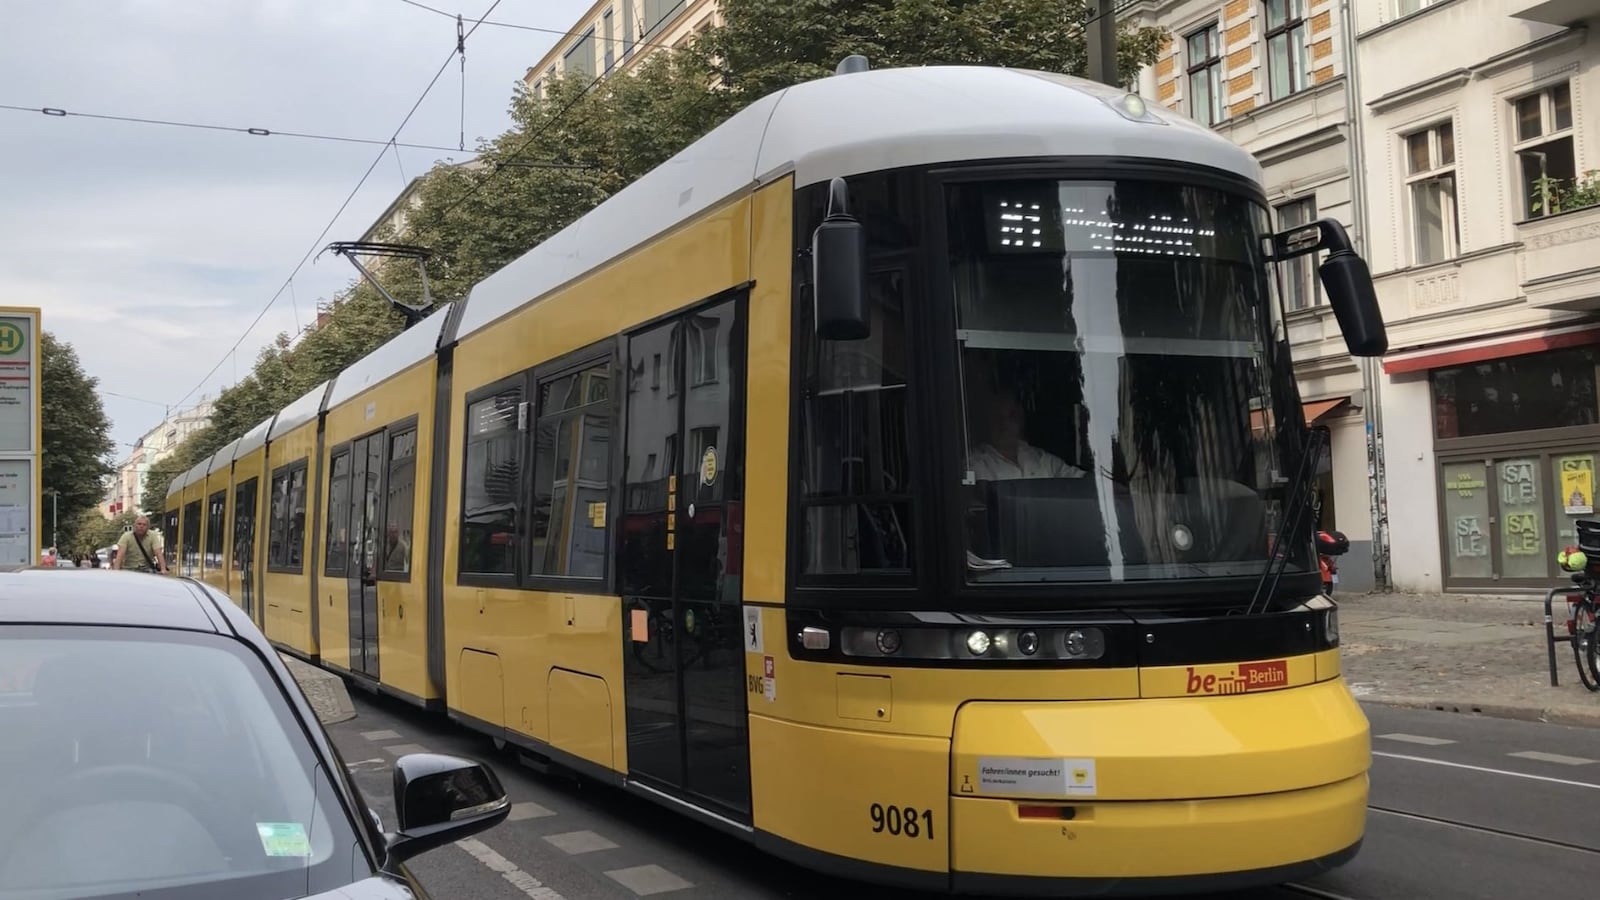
1554,715
327,693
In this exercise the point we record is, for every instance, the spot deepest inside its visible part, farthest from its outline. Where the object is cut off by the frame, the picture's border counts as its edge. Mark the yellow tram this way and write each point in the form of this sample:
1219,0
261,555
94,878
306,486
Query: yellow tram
908,476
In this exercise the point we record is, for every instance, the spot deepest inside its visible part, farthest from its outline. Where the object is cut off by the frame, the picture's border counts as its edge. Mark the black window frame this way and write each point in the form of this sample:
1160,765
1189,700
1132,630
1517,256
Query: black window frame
331,512
605,353
1193,67
408,425
950,581
287,472
216,518
1299,81
465,577
869,590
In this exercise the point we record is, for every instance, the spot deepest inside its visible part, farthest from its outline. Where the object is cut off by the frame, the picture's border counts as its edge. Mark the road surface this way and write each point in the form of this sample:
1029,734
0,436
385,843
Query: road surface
1462,808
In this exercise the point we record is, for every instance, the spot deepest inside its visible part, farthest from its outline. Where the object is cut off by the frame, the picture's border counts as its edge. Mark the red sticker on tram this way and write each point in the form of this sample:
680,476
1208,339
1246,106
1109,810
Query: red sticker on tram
1258,676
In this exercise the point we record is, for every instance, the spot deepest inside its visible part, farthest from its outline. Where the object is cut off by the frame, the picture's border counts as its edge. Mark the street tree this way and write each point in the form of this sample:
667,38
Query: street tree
76,439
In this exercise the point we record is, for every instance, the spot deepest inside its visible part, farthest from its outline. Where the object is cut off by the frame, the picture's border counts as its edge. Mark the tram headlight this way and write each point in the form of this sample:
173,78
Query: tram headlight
1330,626
1028,643
888,641
978,642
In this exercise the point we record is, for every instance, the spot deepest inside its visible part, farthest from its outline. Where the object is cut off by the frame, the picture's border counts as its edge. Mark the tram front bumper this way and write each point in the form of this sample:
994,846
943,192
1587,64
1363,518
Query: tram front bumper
1157,795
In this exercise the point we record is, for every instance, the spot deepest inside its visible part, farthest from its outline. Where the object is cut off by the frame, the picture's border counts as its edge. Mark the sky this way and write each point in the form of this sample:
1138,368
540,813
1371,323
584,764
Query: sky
150,248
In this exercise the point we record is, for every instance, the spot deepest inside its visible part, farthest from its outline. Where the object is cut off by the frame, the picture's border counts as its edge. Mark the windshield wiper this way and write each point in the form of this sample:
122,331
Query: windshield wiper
1293,520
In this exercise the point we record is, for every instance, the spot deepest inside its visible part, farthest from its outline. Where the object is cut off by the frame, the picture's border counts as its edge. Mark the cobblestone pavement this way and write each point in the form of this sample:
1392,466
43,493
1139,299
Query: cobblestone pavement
1470,654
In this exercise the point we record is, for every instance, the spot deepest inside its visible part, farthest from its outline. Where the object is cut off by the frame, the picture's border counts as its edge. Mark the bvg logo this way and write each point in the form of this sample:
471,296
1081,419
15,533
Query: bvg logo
10,339
1247,677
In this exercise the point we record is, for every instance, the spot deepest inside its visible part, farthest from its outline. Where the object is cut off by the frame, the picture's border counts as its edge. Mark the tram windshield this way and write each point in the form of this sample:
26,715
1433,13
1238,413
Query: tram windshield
1112,344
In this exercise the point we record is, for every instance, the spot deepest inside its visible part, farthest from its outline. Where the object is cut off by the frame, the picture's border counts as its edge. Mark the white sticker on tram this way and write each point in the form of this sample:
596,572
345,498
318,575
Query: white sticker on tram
1036,777
1486,770
753,642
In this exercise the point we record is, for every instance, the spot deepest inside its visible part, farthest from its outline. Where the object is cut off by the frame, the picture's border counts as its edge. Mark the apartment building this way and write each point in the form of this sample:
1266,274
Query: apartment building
127,481
614,35
1485,246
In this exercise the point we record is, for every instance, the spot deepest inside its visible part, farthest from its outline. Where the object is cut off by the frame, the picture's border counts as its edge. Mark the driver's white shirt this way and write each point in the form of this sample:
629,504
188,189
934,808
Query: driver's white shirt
989,464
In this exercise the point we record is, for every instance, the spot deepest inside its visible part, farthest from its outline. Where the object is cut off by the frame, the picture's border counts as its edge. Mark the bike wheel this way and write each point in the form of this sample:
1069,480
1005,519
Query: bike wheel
1584,649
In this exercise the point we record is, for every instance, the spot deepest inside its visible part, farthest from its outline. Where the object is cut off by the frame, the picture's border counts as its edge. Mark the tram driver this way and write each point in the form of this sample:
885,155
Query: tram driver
1006,455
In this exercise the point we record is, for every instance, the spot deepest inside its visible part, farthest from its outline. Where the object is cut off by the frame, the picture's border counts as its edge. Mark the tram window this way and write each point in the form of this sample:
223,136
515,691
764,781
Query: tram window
278,512
191,536
571,475
400,504
337,544
296,526
491,485
287,511
216,520
855,472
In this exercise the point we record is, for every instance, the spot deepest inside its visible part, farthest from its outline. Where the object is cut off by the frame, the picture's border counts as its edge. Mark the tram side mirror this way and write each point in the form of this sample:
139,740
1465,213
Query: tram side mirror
1347,280
839,271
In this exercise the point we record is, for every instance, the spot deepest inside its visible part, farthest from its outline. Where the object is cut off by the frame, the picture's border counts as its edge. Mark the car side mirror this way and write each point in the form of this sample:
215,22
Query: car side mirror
441,799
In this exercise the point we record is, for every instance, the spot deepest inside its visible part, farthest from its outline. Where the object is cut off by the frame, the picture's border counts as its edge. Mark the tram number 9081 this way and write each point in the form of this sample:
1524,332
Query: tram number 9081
902,821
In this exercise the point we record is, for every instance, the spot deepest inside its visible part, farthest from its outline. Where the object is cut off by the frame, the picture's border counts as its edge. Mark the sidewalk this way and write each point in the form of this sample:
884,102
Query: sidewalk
325,691
1469,654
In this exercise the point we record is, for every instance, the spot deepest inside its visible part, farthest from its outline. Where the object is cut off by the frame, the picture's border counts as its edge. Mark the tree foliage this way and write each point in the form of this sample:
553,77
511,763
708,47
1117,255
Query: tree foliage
582,141
76,439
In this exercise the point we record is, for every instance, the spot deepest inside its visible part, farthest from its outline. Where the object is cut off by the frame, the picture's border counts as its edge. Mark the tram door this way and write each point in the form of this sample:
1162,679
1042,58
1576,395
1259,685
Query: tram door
679,562
244,546
361,568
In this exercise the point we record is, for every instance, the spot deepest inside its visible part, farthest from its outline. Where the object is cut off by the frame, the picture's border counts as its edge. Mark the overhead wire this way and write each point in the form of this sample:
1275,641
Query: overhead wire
56,112
555,31
331,222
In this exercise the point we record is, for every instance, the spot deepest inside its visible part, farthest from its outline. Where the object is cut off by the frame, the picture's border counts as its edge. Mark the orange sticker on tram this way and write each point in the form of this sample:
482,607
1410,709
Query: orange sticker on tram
1246,677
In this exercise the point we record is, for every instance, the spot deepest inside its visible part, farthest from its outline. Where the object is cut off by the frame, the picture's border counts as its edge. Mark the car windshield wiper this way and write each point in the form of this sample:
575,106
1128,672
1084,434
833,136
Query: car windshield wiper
1294,519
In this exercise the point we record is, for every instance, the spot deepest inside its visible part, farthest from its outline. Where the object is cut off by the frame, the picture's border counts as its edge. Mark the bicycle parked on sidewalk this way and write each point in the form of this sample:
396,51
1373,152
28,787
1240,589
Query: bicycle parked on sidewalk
1583,561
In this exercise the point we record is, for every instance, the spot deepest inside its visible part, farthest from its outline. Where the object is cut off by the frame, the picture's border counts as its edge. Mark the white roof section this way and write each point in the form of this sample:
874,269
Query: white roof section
255,438
222,458
847,125
402,351
299,412
197,472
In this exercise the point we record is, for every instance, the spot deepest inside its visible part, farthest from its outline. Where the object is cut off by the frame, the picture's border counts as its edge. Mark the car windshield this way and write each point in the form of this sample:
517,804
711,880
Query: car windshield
158,765
1116,392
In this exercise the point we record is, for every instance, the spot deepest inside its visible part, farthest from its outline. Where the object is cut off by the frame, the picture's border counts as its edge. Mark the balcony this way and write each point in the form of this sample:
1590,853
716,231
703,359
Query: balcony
1557,265
1556,12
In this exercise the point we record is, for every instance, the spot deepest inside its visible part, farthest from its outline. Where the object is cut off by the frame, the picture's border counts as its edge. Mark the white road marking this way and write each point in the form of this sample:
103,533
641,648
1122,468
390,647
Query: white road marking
647,880
574,842
1416,739
366,762
384,735
403,749
508,870
528,810
1486,770
1538,756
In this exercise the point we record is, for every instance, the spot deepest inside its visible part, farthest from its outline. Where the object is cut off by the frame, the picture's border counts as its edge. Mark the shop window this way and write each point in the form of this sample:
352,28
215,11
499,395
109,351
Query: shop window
1553,389
1521,518
1467,521
1543,142
1431,184
1205,75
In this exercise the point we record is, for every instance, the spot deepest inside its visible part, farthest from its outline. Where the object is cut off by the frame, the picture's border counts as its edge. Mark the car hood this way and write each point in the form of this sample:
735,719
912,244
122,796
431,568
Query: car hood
378,887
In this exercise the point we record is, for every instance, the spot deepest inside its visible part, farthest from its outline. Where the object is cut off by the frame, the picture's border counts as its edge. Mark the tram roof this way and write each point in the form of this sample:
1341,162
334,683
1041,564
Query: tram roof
842,125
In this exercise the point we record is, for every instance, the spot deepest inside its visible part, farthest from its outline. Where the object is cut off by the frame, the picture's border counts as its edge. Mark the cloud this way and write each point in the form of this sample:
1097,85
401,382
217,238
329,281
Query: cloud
151,248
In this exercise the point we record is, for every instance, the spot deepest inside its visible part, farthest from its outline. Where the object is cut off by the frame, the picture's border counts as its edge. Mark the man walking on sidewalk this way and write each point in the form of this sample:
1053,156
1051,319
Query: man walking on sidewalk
138,545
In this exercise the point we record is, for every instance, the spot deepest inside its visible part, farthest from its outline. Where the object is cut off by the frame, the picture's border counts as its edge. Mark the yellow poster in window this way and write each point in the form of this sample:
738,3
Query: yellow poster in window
1577,485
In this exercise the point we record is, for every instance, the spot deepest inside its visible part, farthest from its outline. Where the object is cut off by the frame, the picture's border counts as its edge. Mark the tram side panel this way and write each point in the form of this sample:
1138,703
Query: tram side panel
286,589
372,589
540,660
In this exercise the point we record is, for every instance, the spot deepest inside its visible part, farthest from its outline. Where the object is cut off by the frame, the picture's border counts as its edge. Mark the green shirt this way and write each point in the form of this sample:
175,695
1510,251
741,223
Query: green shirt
128,551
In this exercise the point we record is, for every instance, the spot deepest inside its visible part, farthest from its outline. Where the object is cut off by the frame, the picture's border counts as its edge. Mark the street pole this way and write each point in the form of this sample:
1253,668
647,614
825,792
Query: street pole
1101,42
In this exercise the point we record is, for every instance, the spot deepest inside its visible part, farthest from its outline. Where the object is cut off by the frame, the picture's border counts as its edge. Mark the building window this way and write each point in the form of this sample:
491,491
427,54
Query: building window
1288,50
1205,76
572,474
1300,289
1431,182
399,504
1543,143
492,481
579,59
608,37
657,13
1407,7
627,29
336,547
1552,389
